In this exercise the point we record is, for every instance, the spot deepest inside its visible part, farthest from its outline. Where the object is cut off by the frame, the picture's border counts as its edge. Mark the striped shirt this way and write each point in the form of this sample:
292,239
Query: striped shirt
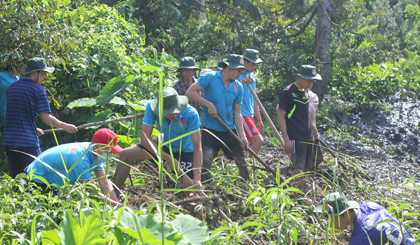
25,100
181,87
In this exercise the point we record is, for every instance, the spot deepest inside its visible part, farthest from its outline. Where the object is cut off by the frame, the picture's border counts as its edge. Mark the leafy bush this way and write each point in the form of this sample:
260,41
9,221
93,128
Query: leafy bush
377,82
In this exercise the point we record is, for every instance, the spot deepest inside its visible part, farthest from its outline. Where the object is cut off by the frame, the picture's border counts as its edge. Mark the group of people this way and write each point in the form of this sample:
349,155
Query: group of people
190,108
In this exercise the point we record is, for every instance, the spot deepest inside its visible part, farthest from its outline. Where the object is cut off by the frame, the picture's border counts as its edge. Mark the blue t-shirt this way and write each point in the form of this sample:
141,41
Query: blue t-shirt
25,100
247,107
367,216
5,80
70,153
223,99
186,121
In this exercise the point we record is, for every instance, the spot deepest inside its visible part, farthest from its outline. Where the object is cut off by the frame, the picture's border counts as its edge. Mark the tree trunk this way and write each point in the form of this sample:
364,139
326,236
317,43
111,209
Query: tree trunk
323,34
204,14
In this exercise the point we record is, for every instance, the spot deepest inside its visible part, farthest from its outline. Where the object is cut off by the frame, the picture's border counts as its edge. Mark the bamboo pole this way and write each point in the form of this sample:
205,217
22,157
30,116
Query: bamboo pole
248,148
267,117
98,123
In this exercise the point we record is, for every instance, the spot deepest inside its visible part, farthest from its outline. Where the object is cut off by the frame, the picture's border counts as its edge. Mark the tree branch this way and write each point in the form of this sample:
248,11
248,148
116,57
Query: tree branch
304,26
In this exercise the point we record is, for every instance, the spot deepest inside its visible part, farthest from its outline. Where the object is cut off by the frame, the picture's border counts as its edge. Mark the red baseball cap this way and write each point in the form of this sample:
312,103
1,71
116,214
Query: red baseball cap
107,137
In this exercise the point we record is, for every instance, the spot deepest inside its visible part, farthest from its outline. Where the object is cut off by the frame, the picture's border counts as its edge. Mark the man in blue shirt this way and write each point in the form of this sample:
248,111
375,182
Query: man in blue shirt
364,219
26,99
248,107
179,118
6,78
74,162
222,96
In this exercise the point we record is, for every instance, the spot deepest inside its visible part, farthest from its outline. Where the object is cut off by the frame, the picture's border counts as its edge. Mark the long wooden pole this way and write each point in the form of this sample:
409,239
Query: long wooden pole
98,123
248,148
267,117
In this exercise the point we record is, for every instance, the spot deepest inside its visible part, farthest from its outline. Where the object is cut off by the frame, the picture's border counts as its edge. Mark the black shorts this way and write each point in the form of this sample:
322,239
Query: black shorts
302,154
229,145
186,160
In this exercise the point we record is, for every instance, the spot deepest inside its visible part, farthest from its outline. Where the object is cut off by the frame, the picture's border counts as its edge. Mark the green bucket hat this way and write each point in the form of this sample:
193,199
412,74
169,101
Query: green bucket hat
309,72
335,204
37,64
172,102
234,61
253,56
188,63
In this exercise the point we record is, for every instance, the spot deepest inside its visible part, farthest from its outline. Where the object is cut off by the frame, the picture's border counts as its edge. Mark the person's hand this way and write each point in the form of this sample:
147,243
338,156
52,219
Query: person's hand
176,165
247,79
40,131
288,147
212,110
260,126
70,128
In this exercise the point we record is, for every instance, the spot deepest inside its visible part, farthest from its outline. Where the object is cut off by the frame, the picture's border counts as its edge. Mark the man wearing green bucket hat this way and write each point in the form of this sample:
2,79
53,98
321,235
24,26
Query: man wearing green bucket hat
222,97
26,99
294,122
248,107
371,224
179,118
187,67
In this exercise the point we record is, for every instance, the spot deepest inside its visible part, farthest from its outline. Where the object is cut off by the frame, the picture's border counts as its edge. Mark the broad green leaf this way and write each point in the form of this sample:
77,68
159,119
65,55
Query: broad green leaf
118,101
193,230
92,232
137,107
149,68
125,141
84,102
168,59
98,117
113,87
145,227
50,237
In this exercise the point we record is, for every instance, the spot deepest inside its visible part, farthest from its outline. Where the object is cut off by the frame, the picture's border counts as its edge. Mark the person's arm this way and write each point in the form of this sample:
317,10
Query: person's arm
313,103
106,185
237,117
194,95
49,120
282,124
101,195
314,129
258,115
147,142
197,156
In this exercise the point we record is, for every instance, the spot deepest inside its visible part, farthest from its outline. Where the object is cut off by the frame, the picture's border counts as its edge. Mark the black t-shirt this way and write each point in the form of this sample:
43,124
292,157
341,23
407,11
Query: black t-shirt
296,104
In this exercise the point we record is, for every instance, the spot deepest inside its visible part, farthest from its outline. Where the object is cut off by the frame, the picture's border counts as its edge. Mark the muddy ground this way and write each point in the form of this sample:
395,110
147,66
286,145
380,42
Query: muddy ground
378,144
385,138
380,138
